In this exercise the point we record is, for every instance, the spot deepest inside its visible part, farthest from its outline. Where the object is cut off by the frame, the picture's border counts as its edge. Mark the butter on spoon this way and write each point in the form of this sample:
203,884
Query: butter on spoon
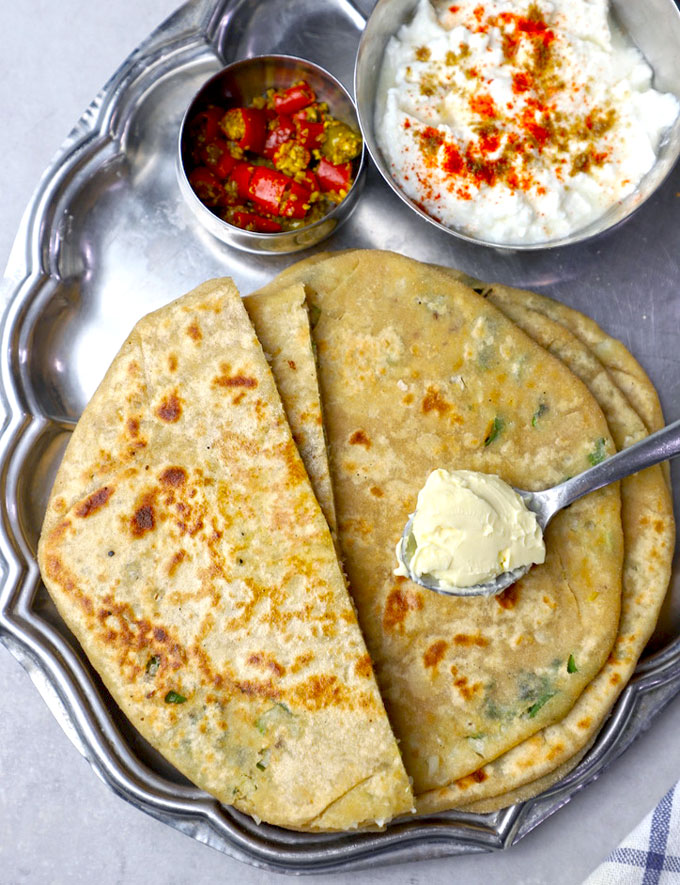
474,535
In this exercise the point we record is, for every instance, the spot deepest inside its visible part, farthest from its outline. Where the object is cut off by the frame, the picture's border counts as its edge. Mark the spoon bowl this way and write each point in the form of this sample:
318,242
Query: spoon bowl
660,446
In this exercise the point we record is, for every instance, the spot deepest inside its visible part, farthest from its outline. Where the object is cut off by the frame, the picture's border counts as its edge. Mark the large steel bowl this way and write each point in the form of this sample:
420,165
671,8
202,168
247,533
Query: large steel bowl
654,26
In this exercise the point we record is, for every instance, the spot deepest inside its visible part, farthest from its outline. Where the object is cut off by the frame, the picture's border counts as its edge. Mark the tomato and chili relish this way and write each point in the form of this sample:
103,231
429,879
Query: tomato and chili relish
518,120
278,164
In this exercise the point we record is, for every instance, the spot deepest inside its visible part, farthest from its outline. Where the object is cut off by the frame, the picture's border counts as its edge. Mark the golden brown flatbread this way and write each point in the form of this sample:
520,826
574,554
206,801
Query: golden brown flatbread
416,372
185,549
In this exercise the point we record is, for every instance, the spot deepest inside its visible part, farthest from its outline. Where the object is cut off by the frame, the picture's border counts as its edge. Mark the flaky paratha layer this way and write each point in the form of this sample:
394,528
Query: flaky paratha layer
281,323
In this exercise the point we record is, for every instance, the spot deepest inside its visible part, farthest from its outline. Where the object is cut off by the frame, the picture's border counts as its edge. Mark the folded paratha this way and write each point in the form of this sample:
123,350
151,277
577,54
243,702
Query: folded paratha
185,549
416,372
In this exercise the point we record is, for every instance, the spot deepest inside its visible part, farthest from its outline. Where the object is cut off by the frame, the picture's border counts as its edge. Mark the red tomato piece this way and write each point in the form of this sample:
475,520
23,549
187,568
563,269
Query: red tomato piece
334,178
253,221
283,131
267,187
294,98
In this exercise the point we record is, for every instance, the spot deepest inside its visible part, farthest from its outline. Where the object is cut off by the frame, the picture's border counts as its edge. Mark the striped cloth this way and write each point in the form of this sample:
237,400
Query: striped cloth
650,854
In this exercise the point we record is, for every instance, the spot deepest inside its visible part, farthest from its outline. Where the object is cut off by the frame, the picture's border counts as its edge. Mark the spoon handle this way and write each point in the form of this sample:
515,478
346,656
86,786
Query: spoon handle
660,446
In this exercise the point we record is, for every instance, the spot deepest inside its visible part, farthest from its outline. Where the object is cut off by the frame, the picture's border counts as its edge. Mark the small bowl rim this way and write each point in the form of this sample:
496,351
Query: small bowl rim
257,236
366,117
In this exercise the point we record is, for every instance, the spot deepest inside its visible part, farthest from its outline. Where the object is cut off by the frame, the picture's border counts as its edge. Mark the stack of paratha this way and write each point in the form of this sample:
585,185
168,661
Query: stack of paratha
185,547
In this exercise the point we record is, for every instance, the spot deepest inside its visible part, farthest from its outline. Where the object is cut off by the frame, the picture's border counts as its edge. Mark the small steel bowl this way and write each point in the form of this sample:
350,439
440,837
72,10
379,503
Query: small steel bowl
654,27
236,85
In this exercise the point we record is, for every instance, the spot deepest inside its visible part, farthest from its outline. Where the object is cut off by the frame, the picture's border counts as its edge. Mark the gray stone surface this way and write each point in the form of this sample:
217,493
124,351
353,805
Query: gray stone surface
58,822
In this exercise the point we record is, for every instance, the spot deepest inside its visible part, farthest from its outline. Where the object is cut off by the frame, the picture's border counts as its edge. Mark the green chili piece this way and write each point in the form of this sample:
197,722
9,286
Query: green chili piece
571,665
174,697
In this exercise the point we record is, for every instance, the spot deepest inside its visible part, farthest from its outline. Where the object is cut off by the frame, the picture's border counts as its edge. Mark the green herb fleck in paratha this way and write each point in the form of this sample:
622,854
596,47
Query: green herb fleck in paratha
263,761
598,454
153,665
266,719
174,697
534,708
494,431
571,665
538,414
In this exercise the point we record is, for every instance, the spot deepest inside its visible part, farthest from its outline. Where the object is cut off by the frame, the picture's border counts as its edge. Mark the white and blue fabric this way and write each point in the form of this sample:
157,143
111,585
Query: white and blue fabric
650,854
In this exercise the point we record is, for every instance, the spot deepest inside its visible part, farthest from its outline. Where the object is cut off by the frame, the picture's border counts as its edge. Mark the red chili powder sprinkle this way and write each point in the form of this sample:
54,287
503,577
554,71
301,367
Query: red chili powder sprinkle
521,82
483,105
453,162
506,146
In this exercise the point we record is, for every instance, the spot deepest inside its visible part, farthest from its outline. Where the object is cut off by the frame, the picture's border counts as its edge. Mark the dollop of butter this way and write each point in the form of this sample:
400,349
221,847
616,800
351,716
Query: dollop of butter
469,527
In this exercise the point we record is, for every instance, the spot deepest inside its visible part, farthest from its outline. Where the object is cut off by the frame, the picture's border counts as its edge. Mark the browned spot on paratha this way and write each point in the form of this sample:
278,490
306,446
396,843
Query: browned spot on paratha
266,661
476,777
554,752
360,438
364,667
194,332
176,560
173,476
320,691
435,652
301,661
433,401
226,379
143,520
508,598
467,691
170,408
399,603
469,639
94,502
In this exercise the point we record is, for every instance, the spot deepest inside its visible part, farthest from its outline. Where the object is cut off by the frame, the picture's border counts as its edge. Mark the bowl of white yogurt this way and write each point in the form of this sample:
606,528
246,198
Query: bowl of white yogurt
521,124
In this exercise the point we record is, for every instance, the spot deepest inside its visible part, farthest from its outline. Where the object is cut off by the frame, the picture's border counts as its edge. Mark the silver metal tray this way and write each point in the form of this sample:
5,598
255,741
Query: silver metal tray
107,238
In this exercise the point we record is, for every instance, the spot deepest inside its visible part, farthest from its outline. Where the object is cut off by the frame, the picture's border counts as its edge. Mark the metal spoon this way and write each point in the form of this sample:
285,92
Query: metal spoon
660,446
